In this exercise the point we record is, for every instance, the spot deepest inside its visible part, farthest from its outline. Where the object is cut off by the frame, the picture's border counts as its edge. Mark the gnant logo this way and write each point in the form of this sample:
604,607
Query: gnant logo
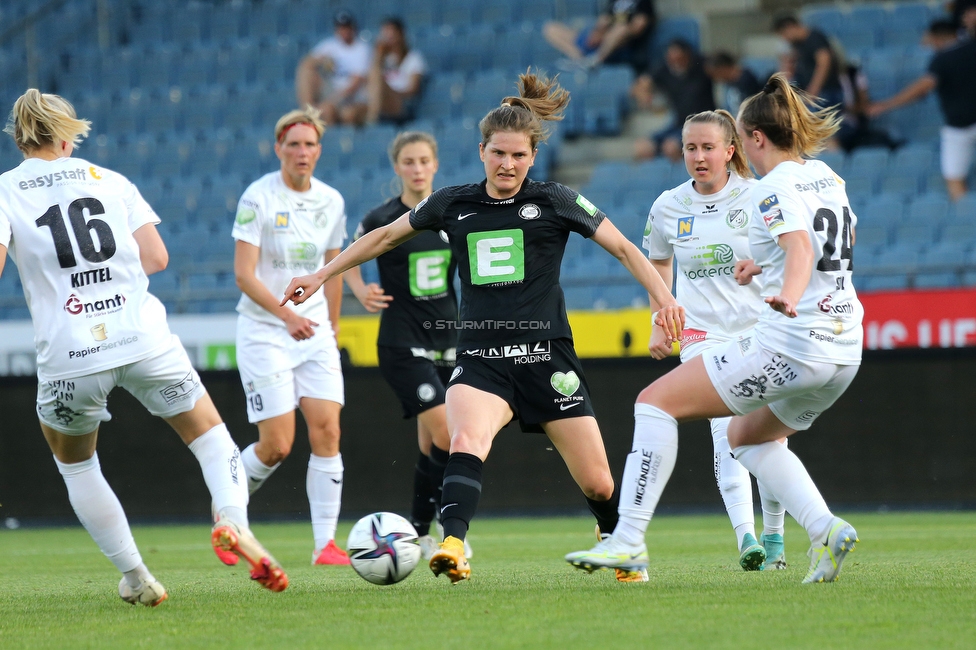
843,310
529,211
74,306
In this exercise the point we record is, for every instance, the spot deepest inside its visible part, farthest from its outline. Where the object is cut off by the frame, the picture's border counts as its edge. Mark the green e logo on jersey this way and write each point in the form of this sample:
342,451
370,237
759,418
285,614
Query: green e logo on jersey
496,256
428,272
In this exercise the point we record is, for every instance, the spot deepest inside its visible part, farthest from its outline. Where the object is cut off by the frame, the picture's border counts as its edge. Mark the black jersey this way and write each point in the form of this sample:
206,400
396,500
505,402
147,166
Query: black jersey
419,274
509,252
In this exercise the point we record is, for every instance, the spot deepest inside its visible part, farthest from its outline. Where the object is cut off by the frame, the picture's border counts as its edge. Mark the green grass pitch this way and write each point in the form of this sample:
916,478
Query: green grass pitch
910,584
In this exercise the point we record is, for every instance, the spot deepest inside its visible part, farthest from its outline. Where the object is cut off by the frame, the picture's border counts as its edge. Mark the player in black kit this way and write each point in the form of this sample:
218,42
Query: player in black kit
515,349
416,287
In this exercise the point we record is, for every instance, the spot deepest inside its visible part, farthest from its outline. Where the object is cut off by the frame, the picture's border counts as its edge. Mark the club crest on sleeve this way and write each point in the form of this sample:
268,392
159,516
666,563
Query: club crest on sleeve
768,203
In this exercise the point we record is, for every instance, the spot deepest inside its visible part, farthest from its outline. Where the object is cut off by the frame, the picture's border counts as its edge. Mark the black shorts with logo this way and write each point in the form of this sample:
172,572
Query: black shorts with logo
418,381
541,381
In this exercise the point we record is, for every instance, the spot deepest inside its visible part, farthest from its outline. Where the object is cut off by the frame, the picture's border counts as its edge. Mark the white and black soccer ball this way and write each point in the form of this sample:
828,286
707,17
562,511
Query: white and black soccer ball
383,548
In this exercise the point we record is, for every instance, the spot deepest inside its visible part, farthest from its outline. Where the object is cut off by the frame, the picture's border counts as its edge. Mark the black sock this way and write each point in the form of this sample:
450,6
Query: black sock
462,491
438,461
422,512
606,511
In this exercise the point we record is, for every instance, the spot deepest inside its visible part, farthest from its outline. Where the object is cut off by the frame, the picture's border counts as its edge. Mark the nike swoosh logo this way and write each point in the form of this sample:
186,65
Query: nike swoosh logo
566,407
337,482
465,216
447,506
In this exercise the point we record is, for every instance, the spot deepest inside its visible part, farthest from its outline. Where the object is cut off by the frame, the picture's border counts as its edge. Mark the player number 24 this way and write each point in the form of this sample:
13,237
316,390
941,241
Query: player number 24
82,228
826,219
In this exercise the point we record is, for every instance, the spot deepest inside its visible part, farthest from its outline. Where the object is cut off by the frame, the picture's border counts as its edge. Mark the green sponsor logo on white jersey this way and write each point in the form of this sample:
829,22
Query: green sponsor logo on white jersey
428,272
246,215
496,256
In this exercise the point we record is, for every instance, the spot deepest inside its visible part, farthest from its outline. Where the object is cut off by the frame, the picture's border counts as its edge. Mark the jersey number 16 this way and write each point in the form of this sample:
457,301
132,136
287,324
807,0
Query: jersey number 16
54,220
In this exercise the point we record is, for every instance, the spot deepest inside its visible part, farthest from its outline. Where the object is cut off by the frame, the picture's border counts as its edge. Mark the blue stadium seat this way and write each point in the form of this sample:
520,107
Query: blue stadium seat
893,282
882,210
965,208
928,208
826,19
907,14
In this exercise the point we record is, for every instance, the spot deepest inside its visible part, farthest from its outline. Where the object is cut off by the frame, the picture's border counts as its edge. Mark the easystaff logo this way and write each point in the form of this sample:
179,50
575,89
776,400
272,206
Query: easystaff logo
817,185
74,306
48,180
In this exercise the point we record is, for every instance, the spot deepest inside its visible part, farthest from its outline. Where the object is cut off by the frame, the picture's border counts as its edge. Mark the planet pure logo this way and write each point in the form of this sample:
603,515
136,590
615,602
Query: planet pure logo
565,383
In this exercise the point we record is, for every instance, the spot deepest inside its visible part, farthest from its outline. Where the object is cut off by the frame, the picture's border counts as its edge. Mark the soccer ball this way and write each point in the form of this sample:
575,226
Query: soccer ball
383,548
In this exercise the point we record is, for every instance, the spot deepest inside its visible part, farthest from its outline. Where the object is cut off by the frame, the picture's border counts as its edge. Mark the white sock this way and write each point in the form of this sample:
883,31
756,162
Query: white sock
787,479
774,513
257,472
100,513
734,483
324,486
648,468
220,460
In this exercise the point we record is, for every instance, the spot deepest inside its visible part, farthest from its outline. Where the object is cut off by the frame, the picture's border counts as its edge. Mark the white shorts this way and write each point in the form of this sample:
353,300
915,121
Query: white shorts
957,149
166,384
748,376
277,371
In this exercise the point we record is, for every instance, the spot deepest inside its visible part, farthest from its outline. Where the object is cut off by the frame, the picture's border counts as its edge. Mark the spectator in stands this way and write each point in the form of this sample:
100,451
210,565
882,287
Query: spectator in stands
396,75
951,74
817,64
332,77
620,35
856,129
735,82
964,16
688,89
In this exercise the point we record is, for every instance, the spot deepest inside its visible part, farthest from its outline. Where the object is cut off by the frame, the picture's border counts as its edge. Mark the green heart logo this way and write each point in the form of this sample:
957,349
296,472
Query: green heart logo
565,383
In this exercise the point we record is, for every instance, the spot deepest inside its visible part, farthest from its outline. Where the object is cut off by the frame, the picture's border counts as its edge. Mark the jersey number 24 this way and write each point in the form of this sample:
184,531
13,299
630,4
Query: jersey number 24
826,219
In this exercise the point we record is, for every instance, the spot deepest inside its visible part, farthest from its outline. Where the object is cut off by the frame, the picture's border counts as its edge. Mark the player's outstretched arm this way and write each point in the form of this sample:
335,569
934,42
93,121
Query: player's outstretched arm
670,314
3,258
368,247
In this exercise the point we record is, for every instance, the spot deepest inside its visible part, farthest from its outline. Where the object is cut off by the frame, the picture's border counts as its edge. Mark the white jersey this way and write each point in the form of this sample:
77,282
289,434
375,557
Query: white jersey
68,226
809,197
706,235
293,230
348,60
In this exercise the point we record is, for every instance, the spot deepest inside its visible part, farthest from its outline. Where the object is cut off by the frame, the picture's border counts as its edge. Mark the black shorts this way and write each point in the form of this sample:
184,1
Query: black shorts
418,381
541,381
